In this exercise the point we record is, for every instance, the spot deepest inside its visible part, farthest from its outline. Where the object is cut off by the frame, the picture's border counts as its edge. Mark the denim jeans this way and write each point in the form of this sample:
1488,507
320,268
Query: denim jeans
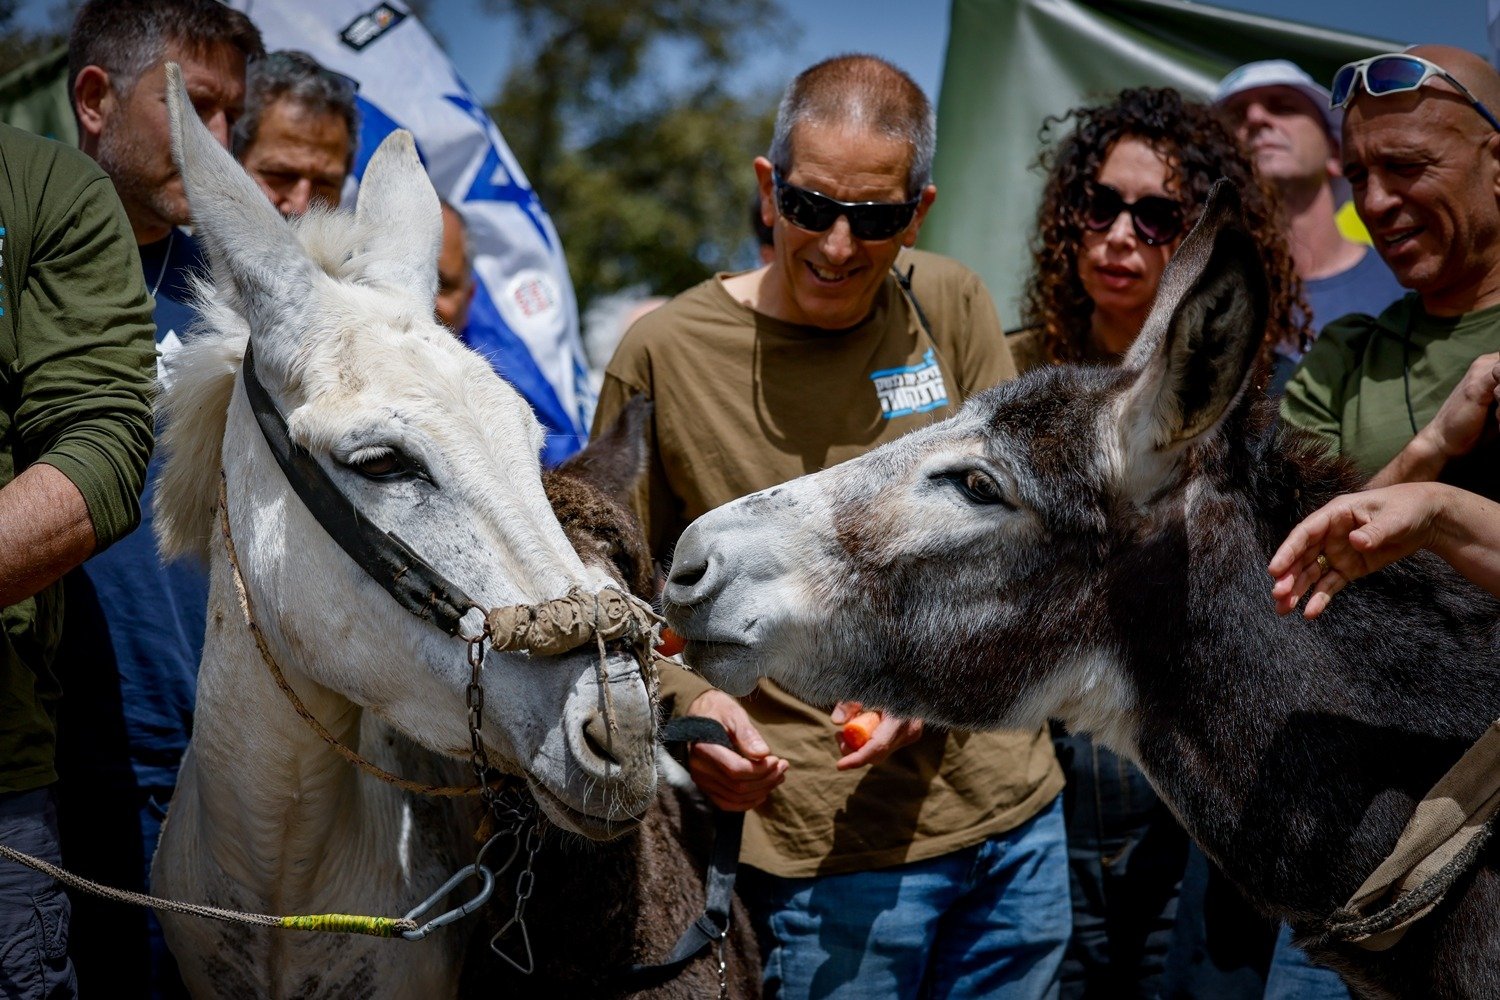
1126,858
1293,975
33,908
986,921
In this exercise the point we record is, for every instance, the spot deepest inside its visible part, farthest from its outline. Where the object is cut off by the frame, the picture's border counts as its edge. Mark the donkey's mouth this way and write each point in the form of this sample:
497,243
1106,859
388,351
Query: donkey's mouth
587,824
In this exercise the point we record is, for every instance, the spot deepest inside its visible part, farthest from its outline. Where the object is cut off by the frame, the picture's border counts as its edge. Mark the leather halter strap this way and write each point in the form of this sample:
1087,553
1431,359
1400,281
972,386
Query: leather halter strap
415,584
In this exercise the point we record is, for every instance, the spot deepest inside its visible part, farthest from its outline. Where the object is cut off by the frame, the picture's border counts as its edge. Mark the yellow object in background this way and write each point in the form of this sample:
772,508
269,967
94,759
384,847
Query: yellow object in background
1350,225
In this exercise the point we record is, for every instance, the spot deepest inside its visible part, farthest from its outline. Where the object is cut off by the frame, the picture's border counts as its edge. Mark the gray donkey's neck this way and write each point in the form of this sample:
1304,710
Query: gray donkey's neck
1295,750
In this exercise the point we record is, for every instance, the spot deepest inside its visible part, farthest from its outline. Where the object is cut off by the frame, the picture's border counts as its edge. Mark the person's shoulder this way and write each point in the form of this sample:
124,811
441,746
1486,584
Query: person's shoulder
928,269
1025,348
46,165
670,331
1348,334
669,319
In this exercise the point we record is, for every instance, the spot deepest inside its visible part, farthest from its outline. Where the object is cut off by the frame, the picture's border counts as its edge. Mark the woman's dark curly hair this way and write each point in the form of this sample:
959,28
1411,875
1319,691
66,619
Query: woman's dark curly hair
1200,149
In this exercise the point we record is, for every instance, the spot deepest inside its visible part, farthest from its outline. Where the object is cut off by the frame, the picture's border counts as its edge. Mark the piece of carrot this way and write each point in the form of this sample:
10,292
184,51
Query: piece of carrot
670,643
858,730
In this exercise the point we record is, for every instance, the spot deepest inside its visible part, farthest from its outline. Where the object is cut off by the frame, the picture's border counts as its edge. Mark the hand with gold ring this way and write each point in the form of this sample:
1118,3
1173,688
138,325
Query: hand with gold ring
1350,537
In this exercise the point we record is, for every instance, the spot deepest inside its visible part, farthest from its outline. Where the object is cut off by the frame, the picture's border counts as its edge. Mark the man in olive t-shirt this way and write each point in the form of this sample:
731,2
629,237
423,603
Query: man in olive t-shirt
1402,395
924,856
75,433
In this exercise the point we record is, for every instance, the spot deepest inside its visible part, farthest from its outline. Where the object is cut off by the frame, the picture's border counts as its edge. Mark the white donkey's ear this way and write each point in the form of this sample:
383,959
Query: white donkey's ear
1197,349
400,221
248,243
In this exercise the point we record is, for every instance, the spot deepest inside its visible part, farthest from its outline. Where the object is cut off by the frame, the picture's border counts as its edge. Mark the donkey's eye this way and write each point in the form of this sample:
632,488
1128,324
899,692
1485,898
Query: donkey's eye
383,463
978,487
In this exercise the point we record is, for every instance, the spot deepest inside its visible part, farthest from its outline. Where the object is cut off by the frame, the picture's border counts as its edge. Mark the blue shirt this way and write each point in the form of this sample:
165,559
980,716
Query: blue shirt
1367,287
154,612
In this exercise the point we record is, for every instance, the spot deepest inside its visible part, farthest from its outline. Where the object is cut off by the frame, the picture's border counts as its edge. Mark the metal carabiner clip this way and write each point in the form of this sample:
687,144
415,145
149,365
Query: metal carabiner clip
486,887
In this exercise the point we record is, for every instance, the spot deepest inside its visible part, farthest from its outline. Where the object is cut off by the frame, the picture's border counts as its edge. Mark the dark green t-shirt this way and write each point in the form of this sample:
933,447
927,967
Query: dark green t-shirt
1369,382
76,360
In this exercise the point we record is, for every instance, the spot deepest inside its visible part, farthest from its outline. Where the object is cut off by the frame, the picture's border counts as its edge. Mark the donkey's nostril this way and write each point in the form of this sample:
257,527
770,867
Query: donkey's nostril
684,575
596,737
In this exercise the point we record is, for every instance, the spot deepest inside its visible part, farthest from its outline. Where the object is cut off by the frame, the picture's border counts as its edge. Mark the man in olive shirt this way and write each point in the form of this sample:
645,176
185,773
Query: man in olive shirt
1424,165
75,422
924,857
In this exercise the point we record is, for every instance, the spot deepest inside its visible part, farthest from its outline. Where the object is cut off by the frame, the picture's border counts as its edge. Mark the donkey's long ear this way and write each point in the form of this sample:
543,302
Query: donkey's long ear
250,246
1198,347
614,461
400,221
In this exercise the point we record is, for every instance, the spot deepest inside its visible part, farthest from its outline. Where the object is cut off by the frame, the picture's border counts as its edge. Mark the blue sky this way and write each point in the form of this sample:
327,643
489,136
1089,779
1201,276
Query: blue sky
914,33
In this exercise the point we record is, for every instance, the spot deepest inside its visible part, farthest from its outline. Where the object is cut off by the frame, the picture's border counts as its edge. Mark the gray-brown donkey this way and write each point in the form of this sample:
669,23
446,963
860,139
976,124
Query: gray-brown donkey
1090,544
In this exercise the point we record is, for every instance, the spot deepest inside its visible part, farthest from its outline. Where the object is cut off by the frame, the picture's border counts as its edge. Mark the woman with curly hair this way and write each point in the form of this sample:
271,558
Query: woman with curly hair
1122,190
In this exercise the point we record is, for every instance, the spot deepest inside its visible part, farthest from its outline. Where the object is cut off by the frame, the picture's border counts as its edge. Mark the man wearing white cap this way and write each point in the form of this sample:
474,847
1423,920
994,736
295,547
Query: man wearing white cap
1284,120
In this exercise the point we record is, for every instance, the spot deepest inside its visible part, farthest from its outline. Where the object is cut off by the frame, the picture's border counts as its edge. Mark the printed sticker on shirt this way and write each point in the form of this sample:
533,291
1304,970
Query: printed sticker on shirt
913,389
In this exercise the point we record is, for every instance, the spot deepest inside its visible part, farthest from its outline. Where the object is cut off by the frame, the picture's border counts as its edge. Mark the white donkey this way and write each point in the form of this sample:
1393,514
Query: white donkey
425,442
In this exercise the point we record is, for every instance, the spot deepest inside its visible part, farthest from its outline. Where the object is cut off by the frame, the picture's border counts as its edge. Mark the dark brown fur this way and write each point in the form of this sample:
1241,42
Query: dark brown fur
600,908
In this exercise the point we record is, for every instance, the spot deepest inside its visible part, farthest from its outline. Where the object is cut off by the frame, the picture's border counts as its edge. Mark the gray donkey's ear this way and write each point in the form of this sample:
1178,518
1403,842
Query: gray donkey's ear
1198,347
250,246
400,221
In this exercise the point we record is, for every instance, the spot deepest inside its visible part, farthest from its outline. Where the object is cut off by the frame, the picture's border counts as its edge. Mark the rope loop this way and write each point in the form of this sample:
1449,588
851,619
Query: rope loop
566,623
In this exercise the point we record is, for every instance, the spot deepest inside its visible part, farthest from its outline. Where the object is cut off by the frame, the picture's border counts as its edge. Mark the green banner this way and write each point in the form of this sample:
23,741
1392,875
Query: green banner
35,98
1012,63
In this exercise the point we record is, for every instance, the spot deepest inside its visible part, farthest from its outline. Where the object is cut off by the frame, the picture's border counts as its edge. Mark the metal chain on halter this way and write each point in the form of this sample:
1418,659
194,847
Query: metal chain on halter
525,885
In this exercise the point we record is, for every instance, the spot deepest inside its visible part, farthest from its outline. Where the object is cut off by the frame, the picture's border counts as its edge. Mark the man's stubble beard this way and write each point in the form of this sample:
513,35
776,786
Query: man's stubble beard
124,156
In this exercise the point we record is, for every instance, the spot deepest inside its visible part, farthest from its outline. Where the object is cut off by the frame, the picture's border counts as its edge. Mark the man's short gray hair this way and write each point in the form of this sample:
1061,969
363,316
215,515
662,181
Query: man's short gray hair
859,91
125,37
297,77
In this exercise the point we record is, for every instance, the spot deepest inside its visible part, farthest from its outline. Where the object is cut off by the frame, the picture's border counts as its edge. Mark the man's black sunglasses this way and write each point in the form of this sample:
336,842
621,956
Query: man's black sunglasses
868,220
1156,219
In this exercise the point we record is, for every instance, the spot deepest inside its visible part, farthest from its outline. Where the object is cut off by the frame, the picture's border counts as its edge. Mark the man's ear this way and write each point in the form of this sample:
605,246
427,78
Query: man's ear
767,185
924,203
93,101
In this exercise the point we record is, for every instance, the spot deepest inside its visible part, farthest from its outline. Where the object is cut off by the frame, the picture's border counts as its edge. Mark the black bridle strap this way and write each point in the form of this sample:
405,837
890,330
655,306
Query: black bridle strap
390,562
713,923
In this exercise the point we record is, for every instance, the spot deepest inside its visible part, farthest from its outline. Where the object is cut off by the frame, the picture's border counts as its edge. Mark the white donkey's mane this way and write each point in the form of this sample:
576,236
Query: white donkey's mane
193,403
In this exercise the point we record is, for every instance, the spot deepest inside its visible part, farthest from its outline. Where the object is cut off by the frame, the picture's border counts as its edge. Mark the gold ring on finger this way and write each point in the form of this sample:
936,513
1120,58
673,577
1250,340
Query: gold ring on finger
1323,562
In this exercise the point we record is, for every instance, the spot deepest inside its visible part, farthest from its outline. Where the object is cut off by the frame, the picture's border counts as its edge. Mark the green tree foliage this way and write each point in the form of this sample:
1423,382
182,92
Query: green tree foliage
645,171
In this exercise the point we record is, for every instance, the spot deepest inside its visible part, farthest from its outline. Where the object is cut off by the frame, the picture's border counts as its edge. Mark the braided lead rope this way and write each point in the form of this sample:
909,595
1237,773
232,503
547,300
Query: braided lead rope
339,747
333,923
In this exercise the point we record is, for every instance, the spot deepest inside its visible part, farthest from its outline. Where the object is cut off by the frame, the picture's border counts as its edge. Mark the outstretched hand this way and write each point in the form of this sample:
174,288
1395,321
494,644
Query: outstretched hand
735,782
891,734
1466,418
1356,534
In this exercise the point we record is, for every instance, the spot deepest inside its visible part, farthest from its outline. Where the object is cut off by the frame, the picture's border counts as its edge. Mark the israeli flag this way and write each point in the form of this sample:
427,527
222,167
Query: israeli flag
524,318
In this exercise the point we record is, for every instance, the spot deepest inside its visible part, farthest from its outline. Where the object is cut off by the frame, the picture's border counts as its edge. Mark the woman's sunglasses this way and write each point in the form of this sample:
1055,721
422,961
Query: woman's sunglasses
1395,73
1156,219
814,212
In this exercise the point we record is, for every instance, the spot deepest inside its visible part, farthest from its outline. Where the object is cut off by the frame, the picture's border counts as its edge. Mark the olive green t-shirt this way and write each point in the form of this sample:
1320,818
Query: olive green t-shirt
77,354
1367,382
744,402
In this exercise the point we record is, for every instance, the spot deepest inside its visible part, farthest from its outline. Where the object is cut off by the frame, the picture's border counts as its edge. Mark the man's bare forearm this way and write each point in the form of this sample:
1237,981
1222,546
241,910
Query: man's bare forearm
1419,462
45,531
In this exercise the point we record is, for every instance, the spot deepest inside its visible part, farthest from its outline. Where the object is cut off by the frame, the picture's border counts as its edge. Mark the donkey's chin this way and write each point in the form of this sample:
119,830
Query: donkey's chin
732,667
568,817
